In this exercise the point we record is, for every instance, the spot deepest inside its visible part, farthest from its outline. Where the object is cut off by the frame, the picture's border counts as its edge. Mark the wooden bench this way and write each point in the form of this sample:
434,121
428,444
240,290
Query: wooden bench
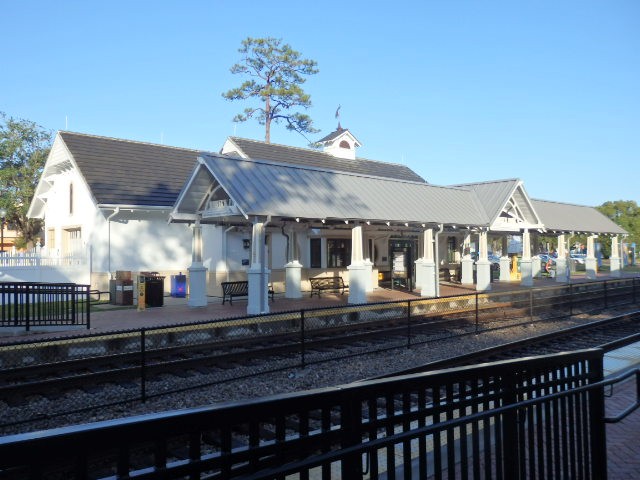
238,289
327,283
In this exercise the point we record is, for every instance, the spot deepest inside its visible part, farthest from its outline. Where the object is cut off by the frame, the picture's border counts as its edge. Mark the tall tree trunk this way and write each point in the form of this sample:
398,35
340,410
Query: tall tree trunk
267,120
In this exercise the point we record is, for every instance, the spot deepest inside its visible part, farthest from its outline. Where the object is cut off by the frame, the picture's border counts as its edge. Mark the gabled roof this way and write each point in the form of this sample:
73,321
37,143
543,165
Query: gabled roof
290,191
256,150
565,217
337,134
496,195
124,172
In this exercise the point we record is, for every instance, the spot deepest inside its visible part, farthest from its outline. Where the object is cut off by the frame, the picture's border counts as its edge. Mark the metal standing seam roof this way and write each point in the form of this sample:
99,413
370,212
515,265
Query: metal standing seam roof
124,172
566,217
312,158
277,189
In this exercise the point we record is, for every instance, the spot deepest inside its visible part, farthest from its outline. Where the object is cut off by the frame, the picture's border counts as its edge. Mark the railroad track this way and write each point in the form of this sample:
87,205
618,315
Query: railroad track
245,357
608,334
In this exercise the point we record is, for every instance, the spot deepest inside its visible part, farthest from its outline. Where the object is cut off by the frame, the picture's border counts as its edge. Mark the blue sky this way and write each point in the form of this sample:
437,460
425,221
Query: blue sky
460,91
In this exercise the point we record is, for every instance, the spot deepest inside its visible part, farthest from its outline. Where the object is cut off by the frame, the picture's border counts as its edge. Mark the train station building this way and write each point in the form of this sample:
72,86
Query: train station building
277,216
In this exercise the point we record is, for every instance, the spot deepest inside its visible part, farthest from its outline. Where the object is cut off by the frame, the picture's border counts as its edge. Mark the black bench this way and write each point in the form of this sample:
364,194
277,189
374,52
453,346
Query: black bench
237,289
327,283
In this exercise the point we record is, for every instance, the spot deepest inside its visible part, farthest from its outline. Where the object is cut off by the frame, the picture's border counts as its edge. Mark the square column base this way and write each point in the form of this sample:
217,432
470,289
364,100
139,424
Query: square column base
505,269
428,274
293,277
615,265
536,267
483,275
591,266
526,273
467,271
563,274
197,286
258,292
358,283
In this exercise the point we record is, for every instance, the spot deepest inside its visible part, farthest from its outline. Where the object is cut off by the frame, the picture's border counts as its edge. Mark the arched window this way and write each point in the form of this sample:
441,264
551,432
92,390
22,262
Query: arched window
344,144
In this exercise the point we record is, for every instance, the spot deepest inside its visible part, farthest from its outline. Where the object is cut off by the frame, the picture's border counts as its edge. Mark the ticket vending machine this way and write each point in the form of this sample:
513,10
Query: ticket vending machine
142,297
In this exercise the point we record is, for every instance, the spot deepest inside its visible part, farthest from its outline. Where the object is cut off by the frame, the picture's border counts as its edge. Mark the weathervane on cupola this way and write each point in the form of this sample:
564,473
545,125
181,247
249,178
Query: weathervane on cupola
340,143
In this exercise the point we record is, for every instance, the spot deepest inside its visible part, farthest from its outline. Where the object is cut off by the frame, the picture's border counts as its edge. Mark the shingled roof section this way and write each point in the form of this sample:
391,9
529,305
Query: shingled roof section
124,172
311,158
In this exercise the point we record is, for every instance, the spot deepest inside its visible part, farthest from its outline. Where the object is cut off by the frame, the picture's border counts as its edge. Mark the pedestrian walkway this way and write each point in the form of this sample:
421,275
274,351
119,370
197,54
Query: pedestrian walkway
623,438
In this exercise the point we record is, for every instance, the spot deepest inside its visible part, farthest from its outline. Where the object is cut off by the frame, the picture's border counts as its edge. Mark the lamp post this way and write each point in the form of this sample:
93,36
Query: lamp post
3,213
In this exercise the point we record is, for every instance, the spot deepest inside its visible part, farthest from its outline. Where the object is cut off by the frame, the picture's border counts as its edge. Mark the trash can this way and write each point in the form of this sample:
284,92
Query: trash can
153,289
179,286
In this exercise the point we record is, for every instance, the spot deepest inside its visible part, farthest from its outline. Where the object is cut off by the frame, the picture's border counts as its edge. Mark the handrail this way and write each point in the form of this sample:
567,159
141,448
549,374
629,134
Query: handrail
631,408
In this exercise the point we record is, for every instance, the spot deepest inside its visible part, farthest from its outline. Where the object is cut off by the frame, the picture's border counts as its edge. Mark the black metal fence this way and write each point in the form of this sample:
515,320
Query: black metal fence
228,348
540,417
26,304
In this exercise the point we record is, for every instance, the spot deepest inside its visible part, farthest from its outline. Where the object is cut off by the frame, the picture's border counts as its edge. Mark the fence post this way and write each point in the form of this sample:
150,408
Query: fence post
27,312
597,428
74,302
531,305
477,313
302,346
408,323
143,365
570,300
88,303
351,421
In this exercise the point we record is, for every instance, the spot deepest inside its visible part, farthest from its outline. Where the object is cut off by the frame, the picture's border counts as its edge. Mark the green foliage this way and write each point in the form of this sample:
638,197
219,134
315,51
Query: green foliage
276,73
24,147
625,213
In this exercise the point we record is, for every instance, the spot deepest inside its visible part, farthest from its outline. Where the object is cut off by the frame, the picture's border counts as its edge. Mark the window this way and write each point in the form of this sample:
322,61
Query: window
72,241
315,253
51,239
338,252
345,144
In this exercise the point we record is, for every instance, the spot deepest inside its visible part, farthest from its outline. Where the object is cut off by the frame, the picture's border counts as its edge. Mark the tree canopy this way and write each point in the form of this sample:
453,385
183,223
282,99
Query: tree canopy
625,213
275,74
24,147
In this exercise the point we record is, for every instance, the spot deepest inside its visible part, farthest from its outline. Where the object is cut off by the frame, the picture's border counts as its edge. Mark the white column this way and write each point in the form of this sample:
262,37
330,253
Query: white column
614,259
563,273
525,263
467,261
483,266
293,269
591,262
258,274
505,264
535,259
358,271
426,266
197,271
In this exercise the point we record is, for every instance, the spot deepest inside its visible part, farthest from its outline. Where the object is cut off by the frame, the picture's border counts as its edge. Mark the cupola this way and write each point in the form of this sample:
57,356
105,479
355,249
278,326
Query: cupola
340,143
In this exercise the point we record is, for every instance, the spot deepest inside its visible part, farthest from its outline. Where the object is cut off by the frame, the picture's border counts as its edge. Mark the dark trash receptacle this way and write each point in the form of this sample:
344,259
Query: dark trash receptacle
154,290
179,286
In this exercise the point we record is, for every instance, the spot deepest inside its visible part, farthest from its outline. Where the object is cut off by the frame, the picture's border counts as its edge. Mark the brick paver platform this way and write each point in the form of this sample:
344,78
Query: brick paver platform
623,438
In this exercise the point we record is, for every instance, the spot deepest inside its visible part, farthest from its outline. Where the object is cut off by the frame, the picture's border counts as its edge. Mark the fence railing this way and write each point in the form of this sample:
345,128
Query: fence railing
25,304
531,418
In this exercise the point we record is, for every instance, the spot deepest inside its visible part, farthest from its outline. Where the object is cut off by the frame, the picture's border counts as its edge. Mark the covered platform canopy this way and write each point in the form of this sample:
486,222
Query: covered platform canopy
227,190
